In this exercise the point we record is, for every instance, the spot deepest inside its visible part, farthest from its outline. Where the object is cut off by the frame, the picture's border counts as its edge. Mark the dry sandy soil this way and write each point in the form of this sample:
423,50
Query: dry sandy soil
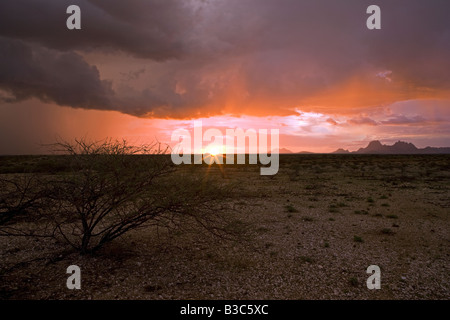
310,232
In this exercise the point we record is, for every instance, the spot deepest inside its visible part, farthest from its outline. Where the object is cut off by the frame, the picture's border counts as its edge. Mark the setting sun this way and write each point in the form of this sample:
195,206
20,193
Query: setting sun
214,150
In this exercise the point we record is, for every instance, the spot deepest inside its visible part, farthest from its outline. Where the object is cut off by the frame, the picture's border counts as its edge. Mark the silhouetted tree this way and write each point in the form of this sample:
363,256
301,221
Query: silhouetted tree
107,189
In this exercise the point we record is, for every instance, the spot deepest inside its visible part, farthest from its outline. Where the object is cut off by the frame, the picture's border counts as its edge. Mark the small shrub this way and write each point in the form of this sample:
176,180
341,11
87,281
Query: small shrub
387,231
291,208
306,259
353,282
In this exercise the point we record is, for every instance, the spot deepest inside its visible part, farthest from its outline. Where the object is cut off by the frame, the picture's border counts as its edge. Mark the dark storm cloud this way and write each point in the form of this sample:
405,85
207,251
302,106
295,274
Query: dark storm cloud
152,29
65,78
239,56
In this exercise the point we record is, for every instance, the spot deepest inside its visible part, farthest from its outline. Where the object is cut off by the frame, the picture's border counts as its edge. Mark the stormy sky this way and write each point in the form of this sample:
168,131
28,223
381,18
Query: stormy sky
313,65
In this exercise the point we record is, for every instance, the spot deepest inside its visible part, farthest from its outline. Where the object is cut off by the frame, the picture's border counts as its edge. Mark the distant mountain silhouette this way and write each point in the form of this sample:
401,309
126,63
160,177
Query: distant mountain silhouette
282,151
400,147
340,150
287,151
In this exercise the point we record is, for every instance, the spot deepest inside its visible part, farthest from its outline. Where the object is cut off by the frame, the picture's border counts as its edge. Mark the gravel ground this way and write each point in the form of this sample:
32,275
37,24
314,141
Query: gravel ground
310,232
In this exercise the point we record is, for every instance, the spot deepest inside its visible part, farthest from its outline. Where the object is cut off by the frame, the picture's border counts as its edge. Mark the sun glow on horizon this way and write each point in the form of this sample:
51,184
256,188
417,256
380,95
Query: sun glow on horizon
214,150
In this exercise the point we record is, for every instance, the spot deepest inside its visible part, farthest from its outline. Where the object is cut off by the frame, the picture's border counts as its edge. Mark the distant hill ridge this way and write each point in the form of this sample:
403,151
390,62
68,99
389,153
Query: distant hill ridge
400,147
